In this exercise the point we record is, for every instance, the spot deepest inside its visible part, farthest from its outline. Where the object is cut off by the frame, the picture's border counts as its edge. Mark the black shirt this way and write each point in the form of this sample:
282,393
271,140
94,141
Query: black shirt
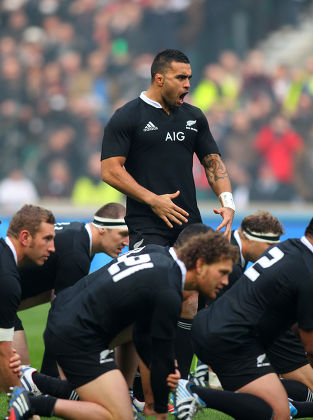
275,292
69,263
159,151
143,287
10,288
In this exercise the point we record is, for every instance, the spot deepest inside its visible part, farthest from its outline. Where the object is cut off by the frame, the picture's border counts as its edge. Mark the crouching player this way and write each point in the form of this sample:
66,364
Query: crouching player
143,287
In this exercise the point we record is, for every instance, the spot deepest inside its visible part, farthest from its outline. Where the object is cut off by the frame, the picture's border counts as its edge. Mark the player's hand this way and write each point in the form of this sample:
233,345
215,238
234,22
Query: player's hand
15,363
163,206
227,214
172,380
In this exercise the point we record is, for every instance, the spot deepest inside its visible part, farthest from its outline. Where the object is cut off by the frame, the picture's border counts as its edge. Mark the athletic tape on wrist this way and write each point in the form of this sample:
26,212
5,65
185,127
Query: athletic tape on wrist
6,334
226,199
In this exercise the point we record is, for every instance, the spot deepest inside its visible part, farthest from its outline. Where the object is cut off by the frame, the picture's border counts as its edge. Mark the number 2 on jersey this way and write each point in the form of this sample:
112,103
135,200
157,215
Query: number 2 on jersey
264,262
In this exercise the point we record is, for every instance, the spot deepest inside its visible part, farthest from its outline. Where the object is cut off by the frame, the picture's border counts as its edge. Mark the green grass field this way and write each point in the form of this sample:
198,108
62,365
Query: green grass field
34,322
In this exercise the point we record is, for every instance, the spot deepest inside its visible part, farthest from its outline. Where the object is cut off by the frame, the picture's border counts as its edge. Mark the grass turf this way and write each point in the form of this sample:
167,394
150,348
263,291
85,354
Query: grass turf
34,322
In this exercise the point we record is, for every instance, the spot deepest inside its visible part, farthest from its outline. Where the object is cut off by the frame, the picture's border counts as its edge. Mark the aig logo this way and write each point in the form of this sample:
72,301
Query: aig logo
180,136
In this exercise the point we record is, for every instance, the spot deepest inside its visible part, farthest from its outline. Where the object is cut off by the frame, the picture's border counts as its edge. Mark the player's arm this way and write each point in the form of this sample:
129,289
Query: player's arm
40,299
114,173
219,181
7,376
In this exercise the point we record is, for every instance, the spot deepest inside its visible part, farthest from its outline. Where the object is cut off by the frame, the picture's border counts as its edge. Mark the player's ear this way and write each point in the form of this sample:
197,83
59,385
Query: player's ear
199,264
159,79
25,237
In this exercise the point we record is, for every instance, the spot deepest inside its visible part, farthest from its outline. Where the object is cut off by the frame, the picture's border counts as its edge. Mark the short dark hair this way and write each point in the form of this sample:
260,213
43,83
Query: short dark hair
189,231
164,59
112,211
211,247
262,221
29,217
309,228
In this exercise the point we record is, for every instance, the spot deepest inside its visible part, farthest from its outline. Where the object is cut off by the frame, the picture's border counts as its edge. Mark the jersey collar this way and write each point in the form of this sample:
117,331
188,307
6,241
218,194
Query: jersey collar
11,246
87,227
238,240
307,243
149,101
181,266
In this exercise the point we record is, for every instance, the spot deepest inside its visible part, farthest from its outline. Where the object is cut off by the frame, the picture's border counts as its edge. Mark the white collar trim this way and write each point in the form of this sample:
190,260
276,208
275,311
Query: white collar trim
181,266
11,246
238,240
307,243
90,237
149,101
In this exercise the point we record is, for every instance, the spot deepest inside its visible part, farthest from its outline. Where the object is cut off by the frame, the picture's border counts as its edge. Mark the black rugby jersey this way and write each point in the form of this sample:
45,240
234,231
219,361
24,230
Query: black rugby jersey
10,288
69,263
275,292
143,286
239,268
159,151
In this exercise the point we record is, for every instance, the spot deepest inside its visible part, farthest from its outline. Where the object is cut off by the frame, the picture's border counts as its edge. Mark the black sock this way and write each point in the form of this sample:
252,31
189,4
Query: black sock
49,365
137,387
183,347
54,386
43,405
305,409
297,390
239,405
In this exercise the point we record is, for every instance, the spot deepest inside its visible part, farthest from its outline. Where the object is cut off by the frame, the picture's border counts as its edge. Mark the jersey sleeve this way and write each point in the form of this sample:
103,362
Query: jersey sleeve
305,293
163,331
166,314
205,144
10,296
117,135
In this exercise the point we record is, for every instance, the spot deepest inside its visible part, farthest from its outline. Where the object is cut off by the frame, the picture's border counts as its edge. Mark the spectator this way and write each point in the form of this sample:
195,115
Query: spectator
90,190
15,190
58,181
280,147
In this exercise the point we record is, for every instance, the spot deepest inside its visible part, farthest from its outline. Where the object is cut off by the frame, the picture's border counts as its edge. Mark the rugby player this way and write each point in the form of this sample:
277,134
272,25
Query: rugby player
76,243
30,237
144,288
235,334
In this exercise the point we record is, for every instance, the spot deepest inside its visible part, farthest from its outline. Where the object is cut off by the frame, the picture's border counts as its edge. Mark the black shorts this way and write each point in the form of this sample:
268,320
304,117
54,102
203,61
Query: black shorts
18,326
287,353
80,366
236,361
166,238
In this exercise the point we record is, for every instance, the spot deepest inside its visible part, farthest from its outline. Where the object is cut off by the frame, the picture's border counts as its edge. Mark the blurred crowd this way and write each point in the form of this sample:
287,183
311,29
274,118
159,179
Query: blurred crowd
66,65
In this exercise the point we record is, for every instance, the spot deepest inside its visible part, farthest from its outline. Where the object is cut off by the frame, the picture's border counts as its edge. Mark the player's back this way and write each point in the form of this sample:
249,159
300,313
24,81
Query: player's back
115,296
271,294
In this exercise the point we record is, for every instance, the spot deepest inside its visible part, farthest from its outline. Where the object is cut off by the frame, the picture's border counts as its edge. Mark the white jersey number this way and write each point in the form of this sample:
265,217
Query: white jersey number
128,264
264,262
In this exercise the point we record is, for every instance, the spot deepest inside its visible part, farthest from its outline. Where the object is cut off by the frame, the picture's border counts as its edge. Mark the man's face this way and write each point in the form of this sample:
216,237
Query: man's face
41,244
213,277
255,249
176,84
114,240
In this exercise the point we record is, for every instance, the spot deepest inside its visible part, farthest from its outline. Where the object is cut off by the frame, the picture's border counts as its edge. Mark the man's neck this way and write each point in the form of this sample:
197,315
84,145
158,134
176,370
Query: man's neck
16,250
154,94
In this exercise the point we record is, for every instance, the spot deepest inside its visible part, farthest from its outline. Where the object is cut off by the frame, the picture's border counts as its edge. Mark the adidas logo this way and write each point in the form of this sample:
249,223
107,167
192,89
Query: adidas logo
150,126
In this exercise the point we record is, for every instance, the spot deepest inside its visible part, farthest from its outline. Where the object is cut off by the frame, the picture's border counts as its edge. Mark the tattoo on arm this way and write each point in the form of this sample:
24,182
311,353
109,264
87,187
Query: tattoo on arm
214,168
